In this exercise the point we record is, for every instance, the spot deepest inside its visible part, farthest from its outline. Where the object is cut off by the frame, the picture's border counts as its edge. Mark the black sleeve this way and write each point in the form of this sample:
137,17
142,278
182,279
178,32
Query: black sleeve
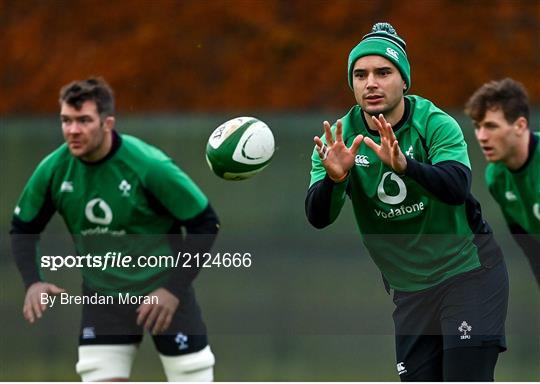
448,181
24,239
201,232
318,202
530,247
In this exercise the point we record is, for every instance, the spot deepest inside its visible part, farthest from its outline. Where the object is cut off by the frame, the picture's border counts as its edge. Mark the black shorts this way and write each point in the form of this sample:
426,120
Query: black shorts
117,324
467,310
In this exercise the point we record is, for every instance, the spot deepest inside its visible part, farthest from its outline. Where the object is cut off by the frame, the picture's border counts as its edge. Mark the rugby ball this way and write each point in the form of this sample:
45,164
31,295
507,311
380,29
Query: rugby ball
240,148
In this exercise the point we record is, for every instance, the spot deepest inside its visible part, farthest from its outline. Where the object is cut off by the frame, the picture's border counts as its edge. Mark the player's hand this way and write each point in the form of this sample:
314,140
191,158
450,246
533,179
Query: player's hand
157,317
389,151
32,308
336,158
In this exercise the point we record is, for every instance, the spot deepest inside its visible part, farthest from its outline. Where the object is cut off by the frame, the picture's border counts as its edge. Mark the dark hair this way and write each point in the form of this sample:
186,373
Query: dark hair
507,94
95,89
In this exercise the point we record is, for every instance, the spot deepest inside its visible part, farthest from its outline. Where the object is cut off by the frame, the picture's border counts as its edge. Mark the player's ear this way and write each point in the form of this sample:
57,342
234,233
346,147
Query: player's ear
521,125
109,123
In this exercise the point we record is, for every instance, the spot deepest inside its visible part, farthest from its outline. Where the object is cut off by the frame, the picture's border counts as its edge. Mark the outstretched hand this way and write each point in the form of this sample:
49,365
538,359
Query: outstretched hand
389,151
336,158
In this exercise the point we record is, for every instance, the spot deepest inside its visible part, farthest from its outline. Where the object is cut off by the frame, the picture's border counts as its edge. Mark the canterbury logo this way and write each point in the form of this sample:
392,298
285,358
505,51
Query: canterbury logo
361,160
393,200
105,216
391,52
67,186
510,196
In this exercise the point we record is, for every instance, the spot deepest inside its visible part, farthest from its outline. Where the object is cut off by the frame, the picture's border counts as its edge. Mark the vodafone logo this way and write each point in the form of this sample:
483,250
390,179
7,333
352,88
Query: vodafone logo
393,200
398,211
97,211
536,210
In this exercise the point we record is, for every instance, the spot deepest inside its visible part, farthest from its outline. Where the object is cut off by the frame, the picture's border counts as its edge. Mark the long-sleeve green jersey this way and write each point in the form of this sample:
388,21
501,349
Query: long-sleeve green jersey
518,193
128,202
415,236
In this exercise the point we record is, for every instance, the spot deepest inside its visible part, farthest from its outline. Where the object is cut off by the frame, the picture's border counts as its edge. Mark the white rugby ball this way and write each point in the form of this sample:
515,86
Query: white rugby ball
240,148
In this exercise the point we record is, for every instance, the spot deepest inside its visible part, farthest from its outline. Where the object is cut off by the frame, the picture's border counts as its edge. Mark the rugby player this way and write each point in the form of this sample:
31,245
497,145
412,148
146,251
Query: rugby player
403,163
114,192
500,111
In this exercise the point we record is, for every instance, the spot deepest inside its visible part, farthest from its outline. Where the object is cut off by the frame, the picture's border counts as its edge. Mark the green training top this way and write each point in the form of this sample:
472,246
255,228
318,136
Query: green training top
518,193
416,240
136,190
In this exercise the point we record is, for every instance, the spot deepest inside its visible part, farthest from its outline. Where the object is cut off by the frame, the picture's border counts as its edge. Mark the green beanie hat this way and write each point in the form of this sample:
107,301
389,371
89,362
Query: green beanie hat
382,41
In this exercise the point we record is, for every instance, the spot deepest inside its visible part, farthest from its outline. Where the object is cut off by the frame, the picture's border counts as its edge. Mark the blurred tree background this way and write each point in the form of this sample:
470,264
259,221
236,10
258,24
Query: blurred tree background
218,55
312,307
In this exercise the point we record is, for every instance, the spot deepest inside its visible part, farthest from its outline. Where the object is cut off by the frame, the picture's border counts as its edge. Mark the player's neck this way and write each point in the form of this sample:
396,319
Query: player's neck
102,151
521,154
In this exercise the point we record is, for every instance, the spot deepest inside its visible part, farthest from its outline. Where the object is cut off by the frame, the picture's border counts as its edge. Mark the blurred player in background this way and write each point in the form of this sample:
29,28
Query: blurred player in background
107,187
410,189
500,111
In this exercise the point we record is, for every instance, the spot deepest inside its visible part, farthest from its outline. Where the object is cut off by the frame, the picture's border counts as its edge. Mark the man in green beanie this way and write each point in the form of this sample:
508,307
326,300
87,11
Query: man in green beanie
403,163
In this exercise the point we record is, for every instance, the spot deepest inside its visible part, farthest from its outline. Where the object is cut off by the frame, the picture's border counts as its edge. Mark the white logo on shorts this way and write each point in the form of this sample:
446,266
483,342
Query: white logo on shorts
401,368
181,340
88,333
464,327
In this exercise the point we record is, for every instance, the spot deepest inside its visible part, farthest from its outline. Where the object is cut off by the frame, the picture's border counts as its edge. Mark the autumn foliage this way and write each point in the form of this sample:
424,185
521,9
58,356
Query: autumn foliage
217,55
